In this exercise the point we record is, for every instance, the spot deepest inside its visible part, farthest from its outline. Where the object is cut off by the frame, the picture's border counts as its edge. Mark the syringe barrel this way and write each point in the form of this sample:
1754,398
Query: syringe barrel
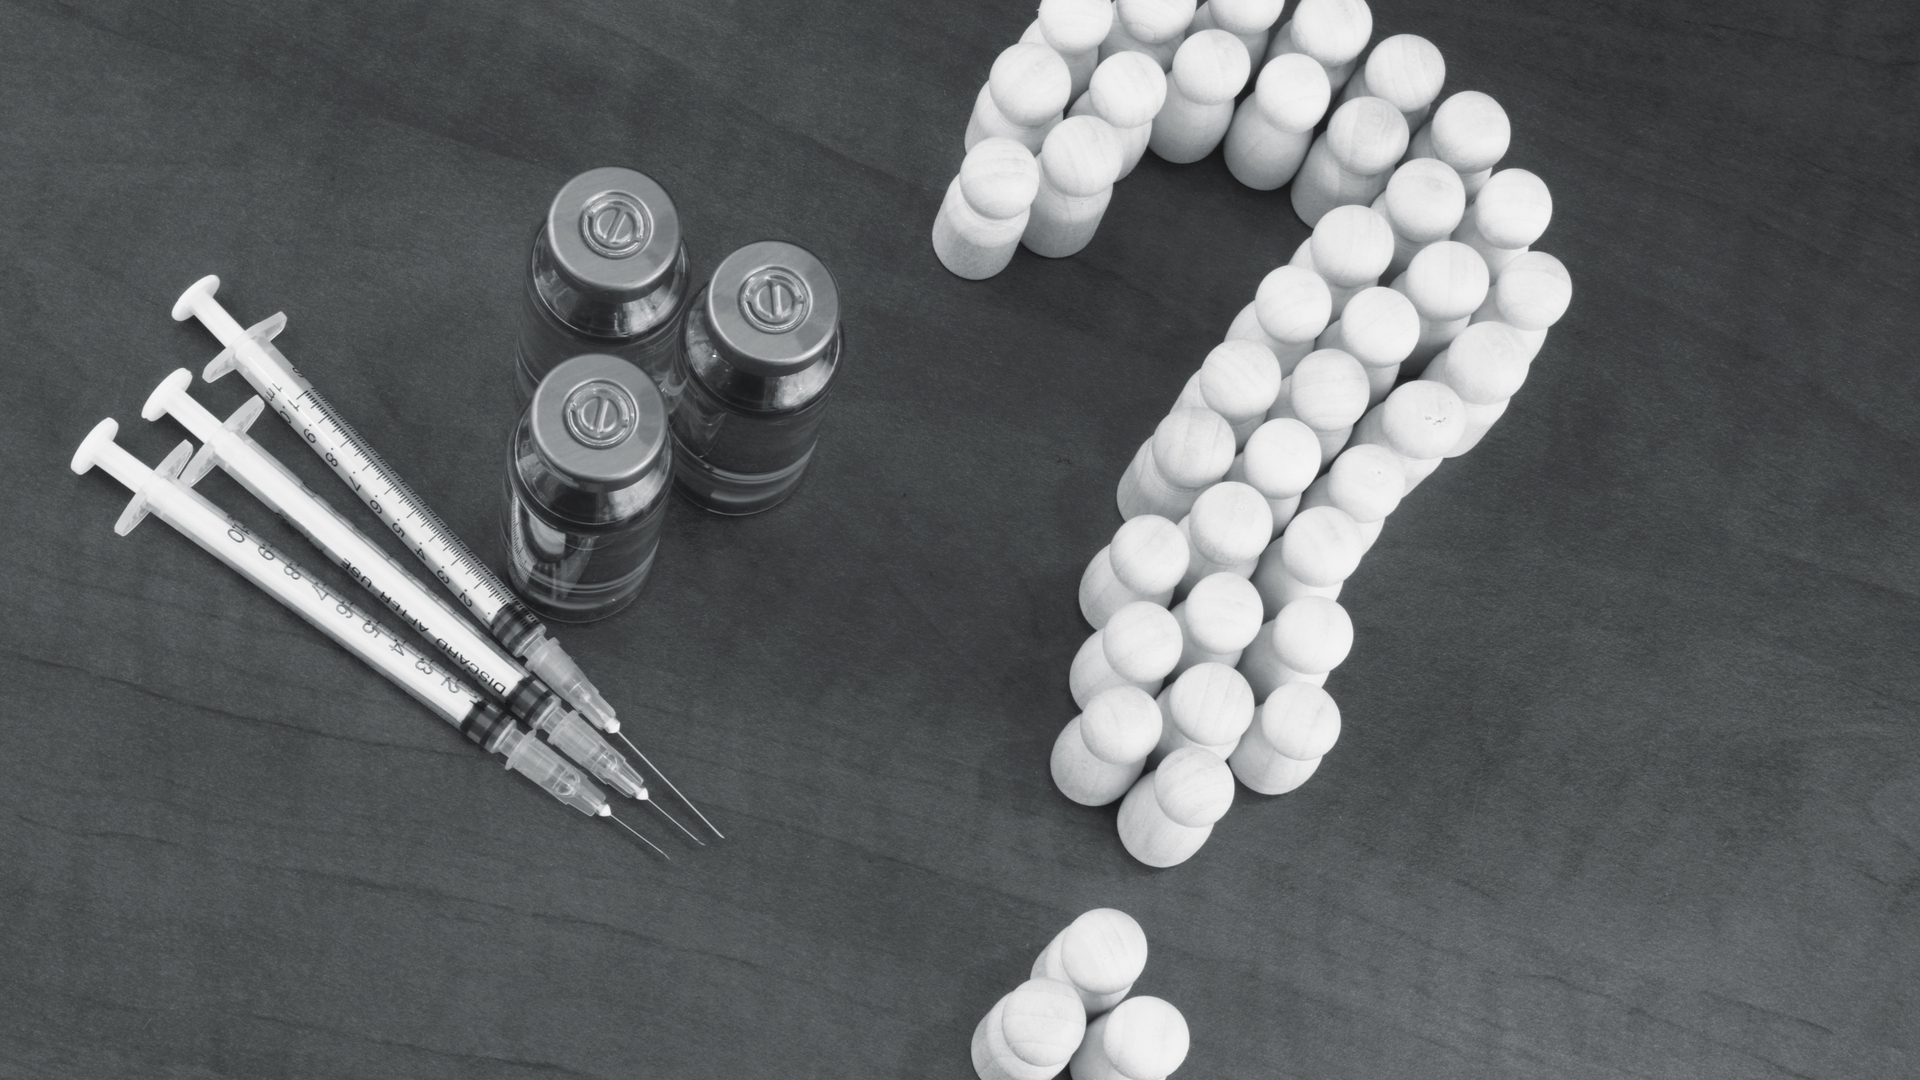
539,763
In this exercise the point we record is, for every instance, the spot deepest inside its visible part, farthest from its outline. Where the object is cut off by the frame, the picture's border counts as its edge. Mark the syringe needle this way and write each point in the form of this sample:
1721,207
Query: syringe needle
676,822
663,779
643,839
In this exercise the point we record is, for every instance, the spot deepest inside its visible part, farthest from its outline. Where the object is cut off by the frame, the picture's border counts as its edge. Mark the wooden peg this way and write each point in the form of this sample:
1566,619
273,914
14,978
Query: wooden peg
1101,752
1273,127
1154,28
1281,459
1508,215
1025,95
1379,328
1486,365
986,209
1208,70
1447,281
1327,392
1170,811
1078,165
1031,1033
1470,132
1239,380
1217,619
1289,310
1296,727
1332,32
1138,647
1407,71
1075,29
1420,421
1424,202
1226,531
1190,451
1127,91
1350,248
1145,561
1209,706
1249,20
1532,294
1365,481
1352,160
1099,954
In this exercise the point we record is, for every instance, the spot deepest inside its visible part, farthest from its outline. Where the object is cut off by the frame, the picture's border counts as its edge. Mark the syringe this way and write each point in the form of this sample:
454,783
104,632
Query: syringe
354,460
159,491
228,446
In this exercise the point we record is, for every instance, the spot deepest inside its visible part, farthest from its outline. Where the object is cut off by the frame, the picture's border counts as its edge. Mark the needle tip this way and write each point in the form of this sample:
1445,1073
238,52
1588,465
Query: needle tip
642,839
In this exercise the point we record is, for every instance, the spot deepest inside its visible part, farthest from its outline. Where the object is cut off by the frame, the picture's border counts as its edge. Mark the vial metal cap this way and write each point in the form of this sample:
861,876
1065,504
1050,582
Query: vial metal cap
773,308
599,420
614,233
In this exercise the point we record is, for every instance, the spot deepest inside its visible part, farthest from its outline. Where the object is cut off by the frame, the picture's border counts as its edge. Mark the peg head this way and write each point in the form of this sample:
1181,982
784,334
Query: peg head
1121,725
1149,554
1193,447
1143,642
1230,523
1212,704
1300,721
1211,67
1128,89
1421,419
1075,26
1322,546
999,178
1328,389
1533,291
1407,70
1104,950
1282,458
1239,380
1223,614
1425,200
1029,83
1194,787
1487,363
1151,22
1379,326
1367,482
1332,31
1292,92
1082,156
1312,634
1470,132
1293,304
1367,135
1351,245
1513,208
1043,1021
1446,280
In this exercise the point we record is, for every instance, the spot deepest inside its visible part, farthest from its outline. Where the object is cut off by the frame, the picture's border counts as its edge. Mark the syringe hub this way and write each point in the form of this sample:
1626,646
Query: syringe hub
199,303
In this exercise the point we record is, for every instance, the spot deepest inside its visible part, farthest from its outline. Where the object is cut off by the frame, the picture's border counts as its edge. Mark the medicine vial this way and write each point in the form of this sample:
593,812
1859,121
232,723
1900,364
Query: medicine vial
607,274
587,479
749,387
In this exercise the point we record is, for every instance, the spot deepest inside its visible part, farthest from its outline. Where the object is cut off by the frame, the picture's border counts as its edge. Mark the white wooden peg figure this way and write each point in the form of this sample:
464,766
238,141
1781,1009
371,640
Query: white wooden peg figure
1511,211
1145,561
986,209
1407,71
1190,451
1309,638
1290,309
1127,91
1208,71
1273,127
1379,327
1099,954
1137,647
1152,27
1350,248
1102,751
1296,727
1485,366
1281,459
1025,95
1226,531
1078,165
1239,380
1532,294
1278,587
1332,32
1365,481
1143,1038
1249,20
1031,1033
1424,202
1209,706
1322,546
1328,393
1470,132
1447,282
1217,620
1170,811
1420,421
1352,160
1074,29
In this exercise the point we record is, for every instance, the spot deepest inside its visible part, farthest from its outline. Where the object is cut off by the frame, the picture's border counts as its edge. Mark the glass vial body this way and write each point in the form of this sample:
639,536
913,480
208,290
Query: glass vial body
587,476
749,384
607,274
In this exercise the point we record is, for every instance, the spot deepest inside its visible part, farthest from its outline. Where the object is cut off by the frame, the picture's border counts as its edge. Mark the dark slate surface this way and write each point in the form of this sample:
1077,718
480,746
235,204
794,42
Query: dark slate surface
1630,780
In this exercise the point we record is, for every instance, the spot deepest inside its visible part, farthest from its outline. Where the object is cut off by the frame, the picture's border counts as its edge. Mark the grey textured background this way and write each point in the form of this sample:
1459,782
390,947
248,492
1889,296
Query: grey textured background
1630,779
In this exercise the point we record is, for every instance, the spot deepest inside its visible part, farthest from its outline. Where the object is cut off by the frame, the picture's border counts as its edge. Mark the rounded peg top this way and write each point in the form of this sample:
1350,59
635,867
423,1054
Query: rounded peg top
1128,89
1194,788
1487,363
1149,554
1351,245
1211,67
1121,725
1030,83
1104,950
1293,304
1043,1021
1082,156
1533,291
1367,482
1245,16
1425,200
1407,70
1292,92
1471,131
1074,26
1212,703
1379,326
1282,458
1446,280
1223,614
1367,135
1239,380
1300,721
1332,31
1312,634
1152,22
1513,208
1142,641
1230,523
1421,419
1328,389
1322,545
1193,447
999,177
